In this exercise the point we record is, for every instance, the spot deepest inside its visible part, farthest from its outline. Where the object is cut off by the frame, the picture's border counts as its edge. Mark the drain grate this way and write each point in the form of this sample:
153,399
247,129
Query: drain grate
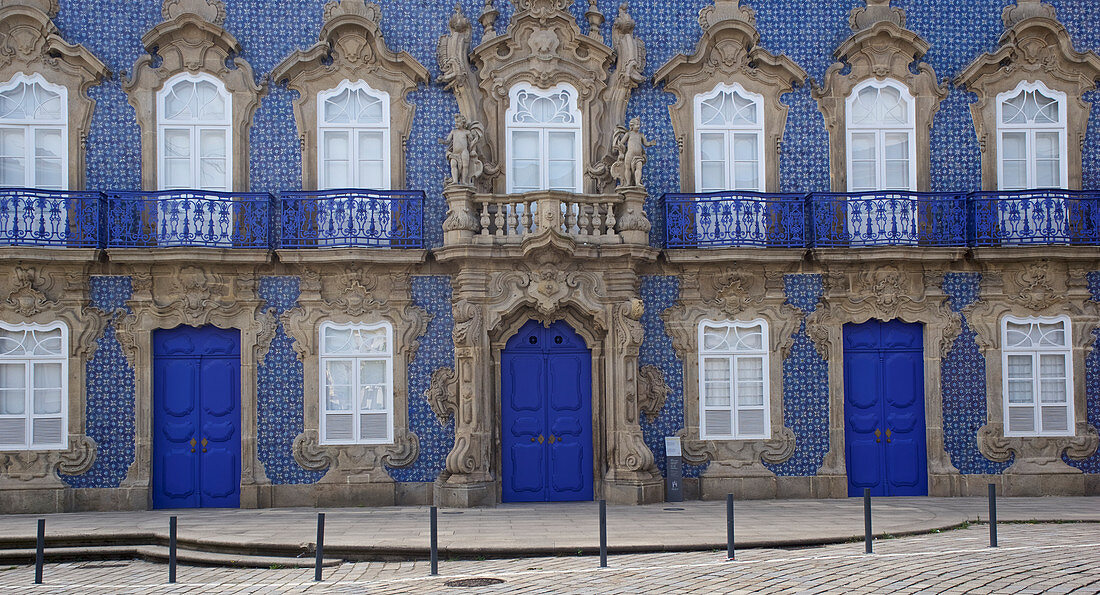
474,582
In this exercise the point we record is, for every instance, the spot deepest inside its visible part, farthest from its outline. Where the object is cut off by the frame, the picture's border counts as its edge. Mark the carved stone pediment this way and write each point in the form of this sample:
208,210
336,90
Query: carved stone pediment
548,289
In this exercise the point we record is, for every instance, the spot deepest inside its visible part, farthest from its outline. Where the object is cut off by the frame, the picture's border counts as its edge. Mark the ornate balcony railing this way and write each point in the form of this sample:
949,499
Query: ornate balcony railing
194,218
511,217
1036,217
735,219
889,218
360,218
30,217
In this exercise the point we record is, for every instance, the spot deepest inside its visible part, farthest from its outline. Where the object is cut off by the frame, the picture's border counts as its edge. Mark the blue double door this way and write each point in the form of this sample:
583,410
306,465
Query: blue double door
546,415
884,427
196,418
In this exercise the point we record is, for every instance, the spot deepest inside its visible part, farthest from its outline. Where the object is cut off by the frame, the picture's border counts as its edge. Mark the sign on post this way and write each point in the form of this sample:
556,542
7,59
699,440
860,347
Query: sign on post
674,470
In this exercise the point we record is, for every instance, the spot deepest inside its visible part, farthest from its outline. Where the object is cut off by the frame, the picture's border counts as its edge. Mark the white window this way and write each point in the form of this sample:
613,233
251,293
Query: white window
353,123
1031,137
34,372
881,139
544,139
1038,376
356,384
733,380
194,131
34,133
729,136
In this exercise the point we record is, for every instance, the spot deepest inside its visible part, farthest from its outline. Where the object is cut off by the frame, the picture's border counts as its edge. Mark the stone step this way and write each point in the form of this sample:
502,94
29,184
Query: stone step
156,553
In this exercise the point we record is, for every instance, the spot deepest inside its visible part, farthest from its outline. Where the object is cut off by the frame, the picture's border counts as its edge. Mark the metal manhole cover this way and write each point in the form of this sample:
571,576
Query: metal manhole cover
473,582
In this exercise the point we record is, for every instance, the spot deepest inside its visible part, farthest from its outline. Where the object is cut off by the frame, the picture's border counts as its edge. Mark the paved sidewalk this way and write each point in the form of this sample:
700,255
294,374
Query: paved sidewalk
530,529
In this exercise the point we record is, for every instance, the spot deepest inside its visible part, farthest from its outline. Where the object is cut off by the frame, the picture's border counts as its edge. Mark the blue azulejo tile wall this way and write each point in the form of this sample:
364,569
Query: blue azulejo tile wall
1092,384
436,350
962,383
280,392
805,384
109,388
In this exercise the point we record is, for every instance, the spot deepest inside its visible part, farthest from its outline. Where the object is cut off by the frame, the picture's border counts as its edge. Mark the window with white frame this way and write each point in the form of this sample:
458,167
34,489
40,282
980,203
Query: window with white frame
356,365
194,132
733,380
543,139
1038,376
34,124
881,137
729,140
1031,137
353,124
33,386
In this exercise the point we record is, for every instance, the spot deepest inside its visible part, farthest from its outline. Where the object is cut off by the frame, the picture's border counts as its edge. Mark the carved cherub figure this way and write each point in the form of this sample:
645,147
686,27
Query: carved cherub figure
466,165
630,145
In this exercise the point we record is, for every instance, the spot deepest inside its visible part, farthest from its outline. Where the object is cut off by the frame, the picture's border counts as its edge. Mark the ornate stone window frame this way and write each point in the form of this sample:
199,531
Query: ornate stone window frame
30,44
31,124
911,105
881,48
1065,350
575,127
191,40
1033,47
765,355
759,130
729,53
1060,127
196,146
356,412
353,130
350,50
29,415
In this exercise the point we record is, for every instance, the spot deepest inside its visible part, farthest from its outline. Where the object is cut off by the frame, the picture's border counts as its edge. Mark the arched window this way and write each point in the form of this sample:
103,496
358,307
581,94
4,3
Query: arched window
1031,137
353,123
881,140
544,139
1037,368
34,133
729,136
194,131
34,394
356,383
733,380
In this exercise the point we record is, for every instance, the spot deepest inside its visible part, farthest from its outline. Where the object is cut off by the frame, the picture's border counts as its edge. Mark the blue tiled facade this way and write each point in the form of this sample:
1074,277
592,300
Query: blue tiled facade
1092,384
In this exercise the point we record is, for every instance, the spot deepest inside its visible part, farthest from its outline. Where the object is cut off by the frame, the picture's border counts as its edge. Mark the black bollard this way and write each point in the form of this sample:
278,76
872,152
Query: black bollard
435,543
603,533
320,546
867,518
992,515
40,551
729,527
171,549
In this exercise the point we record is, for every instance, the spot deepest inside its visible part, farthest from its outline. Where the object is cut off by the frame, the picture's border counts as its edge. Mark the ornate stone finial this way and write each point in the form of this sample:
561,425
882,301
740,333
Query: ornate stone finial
488,20
725,10
1013,14
359,8
595,19
624,23
458,22
211,11
629,147
49,7
876,11
466,164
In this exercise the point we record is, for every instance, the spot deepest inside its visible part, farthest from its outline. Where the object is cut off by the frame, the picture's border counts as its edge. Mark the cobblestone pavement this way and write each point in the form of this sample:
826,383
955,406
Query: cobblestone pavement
1032,558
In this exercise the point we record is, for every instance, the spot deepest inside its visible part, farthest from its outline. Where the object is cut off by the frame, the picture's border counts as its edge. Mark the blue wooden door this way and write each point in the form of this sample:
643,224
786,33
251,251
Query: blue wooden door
884,409
196,418
546,415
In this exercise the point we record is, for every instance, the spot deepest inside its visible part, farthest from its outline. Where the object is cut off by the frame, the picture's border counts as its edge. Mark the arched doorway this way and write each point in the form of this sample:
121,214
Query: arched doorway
546,415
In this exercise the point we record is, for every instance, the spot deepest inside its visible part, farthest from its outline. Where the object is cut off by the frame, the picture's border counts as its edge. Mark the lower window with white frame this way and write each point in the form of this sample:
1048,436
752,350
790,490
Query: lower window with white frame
356,365
34,375
733,380
1037,369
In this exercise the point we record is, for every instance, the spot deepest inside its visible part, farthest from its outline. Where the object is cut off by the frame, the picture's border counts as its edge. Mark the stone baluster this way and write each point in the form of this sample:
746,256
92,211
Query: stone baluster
513,219
498,221
485,218
525,221
584,220
609,222
571,217
597,220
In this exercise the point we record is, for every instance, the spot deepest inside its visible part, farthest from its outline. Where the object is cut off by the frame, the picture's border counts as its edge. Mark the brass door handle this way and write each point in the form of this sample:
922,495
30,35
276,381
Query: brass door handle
204,444
888,440
540,439
192,445
878,435
553,438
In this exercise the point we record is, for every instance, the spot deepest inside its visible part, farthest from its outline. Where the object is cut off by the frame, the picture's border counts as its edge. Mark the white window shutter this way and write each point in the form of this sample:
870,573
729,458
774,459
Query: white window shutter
47,431
339,428
13,431
1021,419
717,423
374,427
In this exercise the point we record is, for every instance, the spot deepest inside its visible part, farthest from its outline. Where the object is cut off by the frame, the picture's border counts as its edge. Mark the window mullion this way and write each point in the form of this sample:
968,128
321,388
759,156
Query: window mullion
28,397
734,393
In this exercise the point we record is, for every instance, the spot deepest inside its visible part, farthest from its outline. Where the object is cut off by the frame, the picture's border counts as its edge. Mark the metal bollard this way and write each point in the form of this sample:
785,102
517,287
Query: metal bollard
603,533
729,527
40,551
171,549
992,515
320,546
435,543
867,519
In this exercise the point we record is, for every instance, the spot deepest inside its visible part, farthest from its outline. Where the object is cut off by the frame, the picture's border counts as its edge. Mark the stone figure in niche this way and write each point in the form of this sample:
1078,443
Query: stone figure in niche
629,147
466,165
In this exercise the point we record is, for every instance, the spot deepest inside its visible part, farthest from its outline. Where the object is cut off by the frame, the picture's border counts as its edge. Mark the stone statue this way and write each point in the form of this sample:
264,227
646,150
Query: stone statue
629,147
466,165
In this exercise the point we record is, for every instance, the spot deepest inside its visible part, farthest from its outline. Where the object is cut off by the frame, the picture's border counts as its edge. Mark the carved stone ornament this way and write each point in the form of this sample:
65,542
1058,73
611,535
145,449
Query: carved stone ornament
351,49
879,48
1034,47
36,466
30,44
191,40
543,46
1041,455
627,158
652,391
729,53
462,143
26,296
442,394
1034,289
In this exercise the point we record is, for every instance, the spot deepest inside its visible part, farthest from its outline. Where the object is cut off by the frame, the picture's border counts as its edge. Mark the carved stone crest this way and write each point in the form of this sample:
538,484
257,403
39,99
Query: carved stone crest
26,296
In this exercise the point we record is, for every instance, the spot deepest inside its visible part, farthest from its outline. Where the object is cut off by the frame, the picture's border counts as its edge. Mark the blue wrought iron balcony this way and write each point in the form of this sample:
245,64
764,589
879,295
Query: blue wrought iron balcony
888,218
352,218
192,218
31,217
